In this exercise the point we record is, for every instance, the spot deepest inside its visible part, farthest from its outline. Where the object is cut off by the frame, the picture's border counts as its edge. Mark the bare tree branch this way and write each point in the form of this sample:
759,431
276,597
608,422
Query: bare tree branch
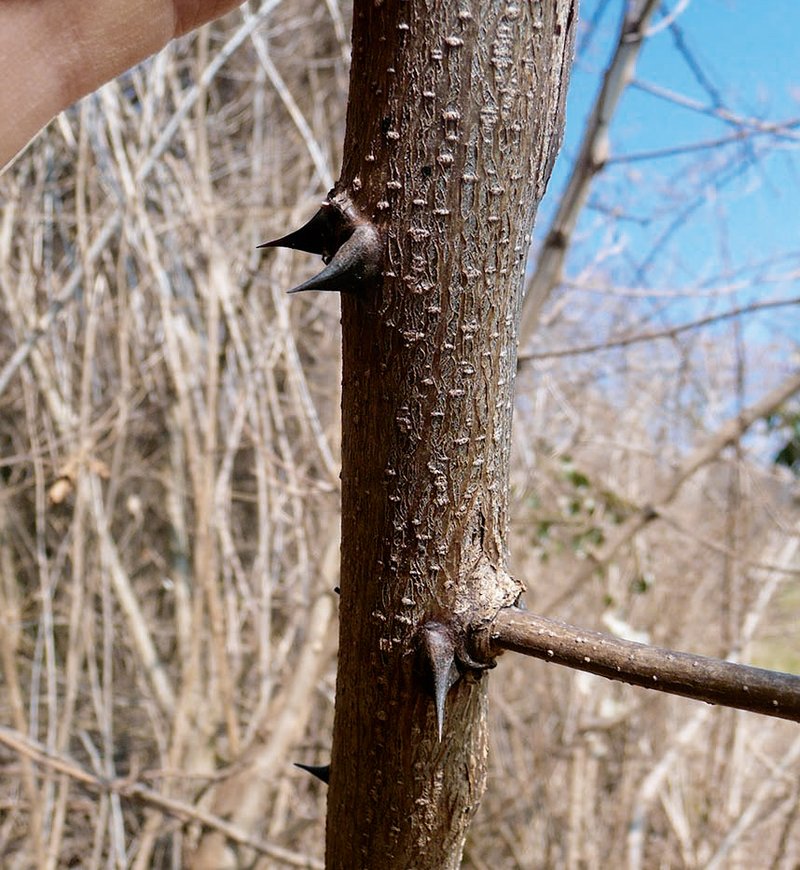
112,222
626,341
779,129
736,138
728,433
591,158
715,681
25,747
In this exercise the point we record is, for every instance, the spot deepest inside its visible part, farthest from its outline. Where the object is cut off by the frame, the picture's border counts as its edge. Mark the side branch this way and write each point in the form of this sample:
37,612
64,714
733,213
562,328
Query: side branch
26,747
671,332
592,157
728,433
715,681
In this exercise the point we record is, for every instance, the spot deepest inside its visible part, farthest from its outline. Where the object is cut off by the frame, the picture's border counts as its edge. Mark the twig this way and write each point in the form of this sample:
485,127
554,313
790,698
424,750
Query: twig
689,148
591,159
142,640
112,222
289,102
728,433
669,18
35,751
628,340
779,129
715,681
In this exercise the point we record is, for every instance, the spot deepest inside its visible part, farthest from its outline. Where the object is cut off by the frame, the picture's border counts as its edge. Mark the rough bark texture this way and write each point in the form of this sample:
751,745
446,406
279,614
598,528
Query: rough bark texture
454,120
715,681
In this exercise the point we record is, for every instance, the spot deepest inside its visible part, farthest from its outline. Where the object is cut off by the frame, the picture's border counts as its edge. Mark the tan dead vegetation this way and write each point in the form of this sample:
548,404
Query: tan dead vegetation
169,513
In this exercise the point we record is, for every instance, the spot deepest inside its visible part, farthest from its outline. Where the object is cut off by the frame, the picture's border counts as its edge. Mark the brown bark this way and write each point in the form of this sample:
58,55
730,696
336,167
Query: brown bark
454,120
715,681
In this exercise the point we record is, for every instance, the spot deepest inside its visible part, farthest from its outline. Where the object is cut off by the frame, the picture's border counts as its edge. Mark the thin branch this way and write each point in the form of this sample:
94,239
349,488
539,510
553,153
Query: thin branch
591,159
312,146
113,221
728,433
779,129
141,636
715,681
693,63
690,148
27,748
628,340
669,18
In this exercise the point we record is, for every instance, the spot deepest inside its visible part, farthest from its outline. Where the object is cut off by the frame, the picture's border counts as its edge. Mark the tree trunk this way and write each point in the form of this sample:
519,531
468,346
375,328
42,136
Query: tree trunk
454,121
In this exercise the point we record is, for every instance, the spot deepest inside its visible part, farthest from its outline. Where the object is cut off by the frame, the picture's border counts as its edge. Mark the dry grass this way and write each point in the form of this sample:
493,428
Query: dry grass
169,514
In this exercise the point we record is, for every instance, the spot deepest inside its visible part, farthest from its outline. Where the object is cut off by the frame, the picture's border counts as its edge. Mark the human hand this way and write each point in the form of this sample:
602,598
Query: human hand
52,52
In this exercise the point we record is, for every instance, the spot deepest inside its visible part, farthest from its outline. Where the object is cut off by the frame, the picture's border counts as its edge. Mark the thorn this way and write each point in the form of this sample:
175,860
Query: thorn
356,262
349,246
439,652
321,771
313,237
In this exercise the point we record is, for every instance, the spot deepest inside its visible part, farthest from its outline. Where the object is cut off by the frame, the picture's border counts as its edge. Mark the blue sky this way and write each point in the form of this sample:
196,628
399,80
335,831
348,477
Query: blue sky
731,209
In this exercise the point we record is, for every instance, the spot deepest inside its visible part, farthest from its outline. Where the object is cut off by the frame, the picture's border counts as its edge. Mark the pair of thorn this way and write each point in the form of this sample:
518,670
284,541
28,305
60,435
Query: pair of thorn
349,247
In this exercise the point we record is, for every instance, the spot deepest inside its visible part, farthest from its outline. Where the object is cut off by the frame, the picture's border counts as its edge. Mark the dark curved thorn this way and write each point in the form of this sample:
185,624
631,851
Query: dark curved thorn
439,651
321,771
313,237
355,264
